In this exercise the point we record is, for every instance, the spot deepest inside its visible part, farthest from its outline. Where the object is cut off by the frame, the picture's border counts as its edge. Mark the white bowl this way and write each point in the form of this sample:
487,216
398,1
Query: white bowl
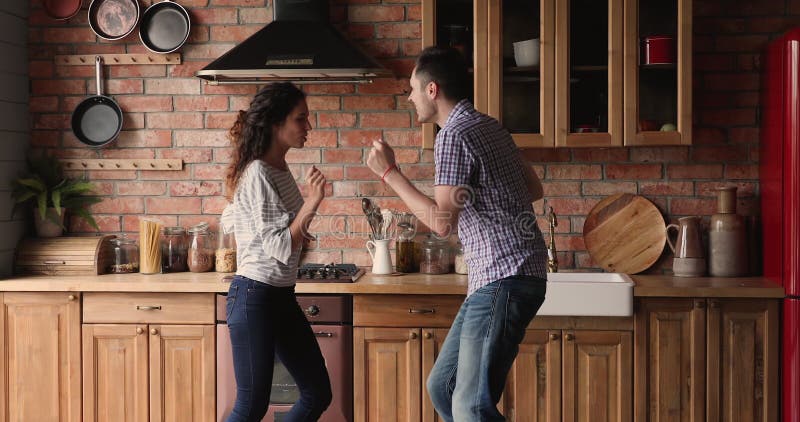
526,53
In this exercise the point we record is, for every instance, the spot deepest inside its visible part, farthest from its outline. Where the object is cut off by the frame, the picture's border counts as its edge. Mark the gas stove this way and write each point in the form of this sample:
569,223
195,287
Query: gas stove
328,273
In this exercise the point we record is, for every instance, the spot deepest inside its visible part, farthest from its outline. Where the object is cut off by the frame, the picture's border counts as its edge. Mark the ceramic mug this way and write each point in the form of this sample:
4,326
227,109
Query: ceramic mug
381,259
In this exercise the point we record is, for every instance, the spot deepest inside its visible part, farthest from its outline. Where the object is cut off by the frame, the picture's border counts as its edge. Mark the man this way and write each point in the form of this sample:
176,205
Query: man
481,183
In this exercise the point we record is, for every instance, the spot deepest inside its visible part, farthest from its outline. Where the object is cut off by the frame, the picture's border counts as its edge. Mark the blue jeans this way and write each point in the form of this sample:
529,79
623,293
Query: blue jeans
264,321
470,372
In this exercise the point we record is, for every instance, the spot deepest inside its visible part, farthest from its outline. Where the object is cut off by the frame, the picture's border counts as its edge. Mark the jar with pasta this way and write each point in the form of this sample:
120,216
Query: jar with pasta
226,251
149,246
126,256
201,249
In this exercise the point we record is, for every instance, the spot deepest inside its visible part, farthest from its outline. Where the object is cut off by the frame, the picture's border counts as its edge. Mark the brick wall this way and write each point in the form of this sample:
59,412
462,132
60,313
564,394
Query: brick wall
170,114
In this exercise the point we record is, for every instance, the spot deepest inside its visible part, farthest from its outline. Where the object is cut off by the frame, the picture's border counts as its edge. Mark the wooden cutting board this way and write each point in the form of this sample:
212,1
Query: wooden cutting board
624,233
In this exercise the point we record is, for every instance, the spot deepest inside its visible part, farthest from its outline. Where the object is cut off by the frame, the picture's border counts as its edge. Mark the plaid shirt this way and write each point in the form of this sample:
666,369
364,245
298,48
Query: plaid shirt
497,226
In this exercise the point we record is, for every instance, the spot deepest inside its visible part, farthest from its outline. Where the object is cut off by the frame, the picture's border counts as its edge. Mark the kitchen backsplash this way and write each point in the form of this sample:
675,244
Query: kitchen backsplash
171,114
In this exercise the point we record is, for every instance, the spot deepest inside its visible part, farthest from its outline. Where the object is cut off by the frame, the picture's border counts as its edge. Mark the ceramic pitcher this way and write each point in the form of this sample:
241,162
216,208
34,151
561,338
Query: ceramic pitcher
381,259
688,243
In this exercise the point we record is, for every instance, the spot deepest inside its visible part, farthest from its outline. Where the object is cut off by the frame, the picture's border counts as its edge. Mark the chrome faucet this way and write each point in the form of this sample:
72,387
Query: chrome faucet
552,258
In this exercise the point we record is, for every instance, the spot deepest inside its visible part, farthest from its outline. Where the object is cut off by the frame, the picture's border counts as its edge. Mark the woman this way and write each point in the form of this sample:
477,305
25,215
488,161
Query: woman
270,220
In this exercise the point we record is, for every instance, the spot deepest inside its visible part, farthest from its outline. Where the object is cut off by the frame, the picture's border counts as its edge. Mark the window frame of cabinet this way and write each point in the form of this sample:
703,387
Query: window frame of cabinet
702,388
160,327
623,75
26,360
683,134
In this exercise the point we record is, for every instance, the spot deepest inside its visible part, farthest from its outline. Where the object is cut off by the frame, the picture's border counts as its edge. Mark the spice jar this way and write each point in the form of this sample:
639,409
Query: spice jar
126,256
460,264
173,250
201,249
406,254
226,252
435,257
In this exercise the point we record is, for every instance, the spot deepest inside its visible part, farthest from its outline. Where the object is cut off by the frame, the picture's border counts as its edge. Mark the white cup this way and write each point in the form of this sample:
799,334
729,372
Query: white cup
526,53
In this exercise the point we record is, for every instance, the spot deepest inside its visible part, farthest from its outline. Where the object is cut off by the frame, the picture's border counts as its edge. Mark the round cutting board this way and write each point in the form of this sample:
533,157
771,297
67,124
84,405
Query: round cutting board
624,233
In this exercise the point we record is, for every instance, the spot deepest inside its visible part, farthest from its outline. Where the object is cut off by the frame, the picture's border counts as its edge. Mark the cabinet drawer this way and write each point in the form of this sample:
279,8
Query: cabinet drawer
405,310
149,308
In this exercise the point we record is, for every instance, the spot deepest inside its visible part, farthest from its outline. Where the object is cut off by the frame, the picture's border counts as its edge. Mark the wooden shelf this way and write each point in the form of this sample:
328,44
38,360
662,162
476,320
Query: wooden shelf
118,59
122,164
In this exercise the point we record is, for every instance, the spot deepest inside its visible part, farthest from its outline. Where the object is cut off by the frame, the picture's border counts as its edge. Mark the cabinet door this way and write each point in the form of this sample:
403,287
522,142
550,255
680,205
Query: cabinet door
669,356
115,384
658,72
533,389
519,68
182,367
743,340
41,345
597,375
432,340
588,73
387,370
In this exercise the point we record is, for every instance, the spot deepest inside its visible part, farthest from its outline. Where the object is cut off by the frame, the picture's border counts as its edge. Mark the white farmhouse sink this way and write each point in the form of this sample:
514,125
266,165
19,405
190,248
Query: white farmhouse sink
588,294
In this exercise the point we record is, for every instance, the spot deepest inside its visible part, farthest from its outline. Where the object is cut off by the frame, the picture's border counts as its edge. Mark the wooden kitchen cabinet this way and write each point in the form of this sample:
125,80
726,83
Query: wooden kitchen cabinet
702,359
589,87
571,375
168,368
393,354
41,365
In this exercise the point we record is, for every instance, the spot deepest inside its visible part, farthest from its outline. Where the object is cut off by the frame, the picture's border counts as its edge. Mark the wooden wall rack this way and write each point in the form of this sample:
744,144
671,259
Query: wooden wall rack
119,59
122,164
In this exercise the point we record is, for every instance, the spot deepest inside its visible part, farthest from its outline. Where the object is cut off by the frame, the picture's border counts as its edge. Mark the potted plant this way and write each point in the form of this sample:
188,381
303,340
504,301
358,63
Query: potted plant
52,194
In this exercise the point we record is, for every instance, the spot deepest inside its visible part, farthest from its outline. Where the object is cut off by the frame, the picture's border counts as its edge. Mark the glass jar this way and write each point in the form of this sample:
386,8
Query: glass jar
200,257
405,259
435,257
126,256
226,251
173,250
460,264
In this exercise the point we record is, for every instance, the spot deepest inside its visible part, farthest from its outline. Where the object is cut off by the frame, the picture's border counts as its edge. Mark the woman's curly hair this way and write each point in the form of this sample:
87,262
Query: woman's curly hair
252,133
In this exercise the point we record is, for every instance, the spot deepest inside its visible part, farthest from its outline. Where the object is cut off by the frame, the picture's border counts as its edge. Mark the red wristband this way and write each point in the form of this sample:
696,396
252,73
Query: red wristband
392,167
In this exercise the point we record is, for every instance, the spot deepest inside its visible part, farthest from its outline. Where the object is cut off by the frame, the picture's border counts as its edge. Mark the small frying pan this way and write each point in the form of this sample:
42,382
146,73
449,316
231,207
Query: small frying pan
61,10
113,19
97,120
164,27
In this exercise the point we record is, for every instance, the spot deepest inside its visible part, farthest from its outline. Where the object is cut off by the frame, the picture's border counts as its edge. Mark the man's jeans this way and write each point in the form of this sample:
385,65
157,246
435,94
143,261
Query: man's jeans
470,372
263,321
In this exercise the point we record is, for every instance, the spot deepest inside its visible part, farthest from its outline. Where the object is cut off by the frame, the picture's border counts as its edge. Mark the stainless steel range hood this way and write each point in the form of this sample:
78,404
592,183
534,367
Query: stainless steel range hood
300,45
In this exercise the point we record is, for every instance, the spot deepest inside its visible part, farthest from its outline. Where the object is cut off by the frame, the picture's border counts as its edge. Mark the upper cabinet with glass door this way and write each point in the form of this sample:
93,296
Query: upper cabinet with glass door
658,72
452,23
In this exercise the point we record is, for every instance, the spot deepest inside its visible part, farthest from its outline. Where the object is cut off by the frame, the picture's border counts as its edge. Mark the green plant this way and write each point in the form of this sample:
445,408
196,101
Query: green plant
46,186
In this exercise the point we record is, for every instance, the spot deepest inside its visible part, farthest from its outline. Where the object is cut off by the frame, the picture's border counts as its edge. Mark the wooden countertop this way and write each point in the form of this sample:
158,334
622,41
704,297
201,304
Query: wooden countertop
447,284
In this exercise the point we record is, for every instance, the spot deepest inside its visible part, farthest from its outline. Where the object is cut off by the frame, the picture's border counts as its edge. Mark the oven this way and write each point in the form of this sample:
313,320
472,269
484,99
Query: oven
331,319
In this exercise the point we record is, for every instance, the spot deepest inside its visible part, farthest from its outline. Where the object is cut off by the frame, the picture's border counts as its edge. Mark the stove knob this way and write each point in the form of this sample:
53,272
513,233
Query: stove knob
312,310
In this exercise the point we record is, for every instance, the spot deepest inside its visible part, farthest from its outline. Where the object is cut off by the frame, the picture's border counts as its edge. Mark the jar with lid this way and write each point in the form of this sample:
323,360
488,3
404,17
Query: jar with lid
126,256
200,257
435,256
226,251
460,264
173,250
405,256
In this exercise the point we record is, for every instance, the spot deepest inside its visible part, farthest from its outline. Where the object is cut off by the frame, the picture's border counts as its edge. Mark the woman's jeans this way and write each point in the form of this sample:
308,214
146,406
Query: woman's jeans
470,372
264,321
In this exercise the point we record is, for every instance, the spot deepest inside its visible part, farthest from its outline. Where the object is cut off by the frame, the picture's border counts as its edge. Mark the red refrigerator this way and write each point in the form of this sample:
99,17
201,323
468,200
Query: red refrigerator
780,199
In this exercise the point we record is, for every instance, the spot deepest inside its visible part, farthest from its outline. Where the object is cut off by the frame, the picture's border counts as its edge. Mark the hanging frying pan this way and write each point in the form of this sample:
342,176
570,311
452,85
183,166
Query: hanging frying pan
113,19
61,9
164,27
97,120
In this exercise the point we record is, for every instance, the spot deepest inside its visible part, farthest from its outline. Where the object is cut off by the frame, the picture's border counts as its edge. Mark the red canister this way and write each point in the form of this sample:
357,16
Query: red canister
658,49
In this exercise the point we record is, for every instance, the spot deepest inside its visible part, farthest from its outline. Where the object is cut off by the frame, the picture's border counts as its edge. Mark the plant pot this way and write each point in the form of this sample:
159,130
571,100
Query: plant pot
46,227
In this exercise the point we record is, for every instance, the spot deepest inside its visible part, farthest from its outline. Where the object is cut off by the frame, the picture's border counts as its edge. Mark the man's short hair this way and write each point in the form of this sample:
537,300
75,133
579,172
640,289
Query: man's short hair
447,67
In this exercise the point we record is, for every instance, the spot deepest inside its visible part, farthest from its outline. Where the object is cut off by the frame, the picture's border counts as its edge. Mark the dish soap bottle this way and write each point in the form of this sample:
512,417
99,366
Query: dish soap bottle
727,237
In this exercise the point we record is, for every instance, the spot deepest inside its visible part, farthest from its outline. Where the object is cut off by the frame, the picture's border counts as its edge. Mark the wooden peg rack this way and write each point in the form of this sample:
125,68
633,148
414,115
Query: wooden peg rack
122,164
119,59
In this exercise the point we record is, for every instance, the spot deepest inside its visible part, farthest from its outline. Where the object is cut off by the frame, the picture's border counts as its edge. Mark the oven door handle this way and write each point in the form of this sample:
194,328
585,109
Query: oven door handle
323,334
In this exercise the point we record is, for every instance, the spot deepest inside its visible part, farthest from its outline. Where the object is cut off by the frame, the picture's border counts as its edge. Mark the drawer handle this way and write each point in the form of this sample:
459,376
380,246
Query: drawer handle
569,337
421,311
148,308
323,334
55,262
